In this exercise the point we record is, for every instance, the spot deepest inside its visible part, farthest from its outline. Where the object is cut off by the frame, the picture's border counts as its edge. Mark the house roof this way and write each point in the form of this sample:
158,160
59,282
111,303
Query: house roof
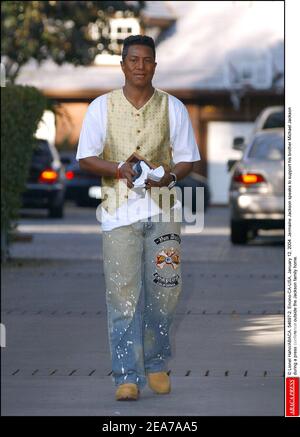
158,10
223,44
218,45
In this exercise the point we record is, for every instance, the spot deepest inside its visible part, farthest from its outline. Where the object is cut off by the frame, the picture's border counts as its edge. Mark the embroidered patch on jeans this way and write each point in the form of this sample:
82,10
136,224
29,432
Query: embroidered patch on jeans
167,237
167,257
165,282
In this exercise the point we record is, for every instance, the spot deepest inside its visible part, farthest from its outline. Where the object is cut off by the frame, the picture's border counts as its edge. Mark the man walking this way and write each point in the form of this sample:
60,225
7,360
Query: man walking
141,252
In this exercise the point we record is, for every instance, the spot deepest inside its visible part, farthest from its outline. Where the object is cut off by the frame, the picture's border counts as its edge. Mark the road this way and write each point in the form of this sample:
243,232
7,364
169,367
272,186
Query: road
227,336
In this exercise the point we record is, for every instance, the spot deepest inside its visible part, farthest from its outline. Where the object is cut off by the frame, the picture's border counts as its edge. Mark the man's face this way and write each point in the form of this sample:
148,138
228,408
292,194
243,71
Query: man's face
139,65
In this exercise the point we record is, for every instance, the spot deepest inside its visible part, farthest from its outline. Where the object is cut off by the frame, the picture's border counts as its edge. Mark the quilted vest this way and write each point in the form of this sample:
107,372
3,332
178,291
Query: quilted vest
145,131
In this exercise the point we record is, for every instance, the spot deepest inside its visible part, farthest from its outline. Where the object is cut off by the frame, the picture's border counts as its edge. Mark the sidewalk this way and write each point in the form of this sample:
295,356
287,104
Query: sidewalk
227,334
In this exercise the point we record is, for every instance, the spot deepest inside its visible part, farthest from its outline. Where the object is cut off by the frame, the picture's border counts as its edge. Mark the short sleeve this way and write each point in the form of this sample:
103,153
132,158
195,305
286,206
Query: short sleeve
92,134
184,145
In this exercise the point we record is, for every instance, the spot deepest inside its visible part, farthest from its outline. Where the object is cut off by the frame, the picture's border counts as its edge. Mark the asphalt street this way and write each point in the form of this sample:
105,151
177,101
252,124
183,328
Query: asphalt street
227,335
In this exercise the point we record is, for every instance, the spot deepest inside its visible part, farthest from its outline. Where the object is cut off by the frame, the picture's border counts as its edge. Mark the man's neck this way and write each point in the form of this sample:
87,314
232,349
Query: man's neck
138,96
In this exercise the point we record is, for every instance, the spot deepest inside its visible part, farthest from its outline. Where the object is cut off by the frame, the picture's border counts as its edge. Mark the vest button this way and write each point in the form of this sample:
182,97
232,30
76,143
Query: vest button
138,147
138,131
137,115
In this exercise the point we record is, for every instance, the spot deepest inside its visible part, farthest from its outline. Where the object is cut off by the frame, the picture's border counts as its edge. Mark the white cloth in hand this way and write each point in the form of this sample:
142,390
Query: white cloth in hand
155,174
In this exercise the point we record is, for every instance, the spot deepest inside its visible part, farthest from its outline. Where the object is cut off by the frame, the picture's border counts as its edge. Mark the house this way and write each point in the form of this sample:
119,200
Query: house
224,60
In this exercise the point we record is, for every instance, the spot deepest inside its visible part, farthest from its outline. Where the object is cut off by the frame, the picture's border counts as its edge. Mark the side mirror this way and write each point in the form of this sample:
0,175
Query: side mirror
230,164
238,143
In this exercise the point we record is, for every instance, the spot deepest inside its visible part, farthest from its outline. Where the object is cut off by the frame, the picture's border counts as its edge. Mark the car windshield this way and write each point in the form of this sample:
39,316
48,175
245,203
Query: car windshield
41,149
274,120
42,155
270,147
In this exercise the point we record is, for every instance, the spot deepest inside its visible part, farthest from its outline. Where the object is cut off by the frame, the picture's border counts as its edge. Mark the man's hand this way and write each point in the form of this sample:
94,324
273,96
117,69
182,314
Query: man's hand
164,182
181,169
126,172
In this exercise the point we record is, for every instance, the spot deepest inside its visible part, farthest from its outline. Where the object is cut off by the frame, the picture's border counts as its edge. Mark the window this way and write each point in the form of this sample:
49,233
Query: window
274,120
269,147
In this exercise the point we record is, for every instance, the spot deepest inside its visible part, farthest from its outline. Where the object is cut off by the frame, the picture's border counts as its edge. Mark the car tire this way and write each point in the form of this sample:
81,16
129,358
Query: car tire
239,232
56,211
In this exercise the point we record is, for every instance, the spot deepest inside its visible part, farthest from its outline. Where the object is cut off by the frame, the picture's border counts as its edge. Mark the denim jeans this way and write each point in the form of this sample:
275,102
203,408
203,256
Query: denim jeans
142,273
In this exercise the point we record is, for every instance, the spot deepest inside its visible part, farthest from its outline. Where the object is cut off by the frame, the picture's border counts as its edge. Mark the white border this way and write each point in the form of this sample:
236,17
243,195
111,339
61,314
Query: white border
292,181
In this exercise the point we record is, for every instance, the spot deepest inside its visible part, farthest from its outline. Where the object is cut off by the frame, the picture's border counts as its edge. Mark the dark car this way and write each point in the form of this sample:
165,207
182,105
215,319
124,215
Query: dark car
256,193
45,186
81,185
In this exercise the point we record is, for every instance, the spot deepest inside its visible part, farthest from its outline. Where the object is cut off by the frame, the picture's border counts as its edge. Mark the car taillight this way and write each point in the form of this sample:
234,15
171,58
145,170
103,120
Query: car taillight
69,174
48,176
248,178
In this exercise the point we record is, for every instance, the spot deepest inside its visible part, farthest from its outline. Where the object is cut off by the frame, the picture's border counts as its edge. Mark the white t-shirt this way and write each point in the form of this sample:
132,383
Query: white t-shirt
91,143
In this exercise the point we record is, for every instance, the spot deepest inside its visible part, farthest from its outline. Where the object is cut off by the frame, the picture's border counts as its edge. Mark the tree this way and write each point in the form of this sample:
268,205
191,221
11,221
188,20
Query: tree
21,106
64,31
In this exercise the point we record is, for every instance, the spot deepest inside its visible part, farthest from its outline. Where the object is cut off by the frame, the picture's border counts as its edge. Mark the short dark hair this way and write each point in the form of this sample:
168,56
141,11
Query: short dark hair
141,40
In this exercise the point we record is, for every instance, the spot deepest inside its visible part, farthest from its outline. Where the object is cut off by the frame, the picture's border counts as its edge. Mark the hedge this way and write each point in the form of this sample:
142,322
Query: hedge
21,110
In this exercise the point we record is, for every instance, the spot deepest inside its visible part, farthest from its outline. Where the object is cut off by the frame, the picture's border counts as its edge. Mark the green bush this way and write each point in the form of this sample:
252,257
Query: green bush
21,110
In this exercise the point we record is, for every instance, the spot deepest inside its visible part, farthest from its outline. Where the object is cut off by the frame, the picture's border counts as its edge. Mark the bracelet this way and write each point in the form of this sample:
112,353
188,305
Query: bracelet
118,169
174,176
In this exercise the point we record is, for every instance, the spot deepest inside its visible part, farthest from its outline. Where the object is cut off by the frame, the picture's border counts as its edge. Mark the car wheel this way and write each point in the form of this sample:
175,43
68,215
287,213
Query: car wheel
56,211
239,232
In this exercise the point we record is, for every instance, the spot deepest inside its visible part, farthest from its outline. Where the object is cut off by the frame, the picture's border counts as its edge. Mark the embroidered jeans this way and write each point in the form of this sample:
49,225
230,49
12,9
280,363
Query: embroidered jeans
142,273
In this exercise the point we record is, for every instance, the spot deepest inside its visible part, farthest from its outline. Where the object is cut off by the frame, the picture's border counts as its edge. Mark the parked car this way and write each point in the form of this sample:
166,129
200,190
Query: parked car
256,193
81,186
271,117
45,186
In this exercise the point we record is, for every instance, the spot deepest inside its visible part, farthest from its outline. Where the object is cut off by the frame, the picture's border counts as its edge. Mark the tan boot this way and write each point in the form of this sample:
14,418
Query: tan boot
127,392
159,382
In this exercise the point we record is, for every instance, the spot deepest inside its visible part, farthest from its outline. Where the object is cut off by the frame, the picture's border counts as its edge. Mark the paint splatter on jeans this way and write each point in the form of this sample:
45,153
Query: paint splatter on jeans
142,269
